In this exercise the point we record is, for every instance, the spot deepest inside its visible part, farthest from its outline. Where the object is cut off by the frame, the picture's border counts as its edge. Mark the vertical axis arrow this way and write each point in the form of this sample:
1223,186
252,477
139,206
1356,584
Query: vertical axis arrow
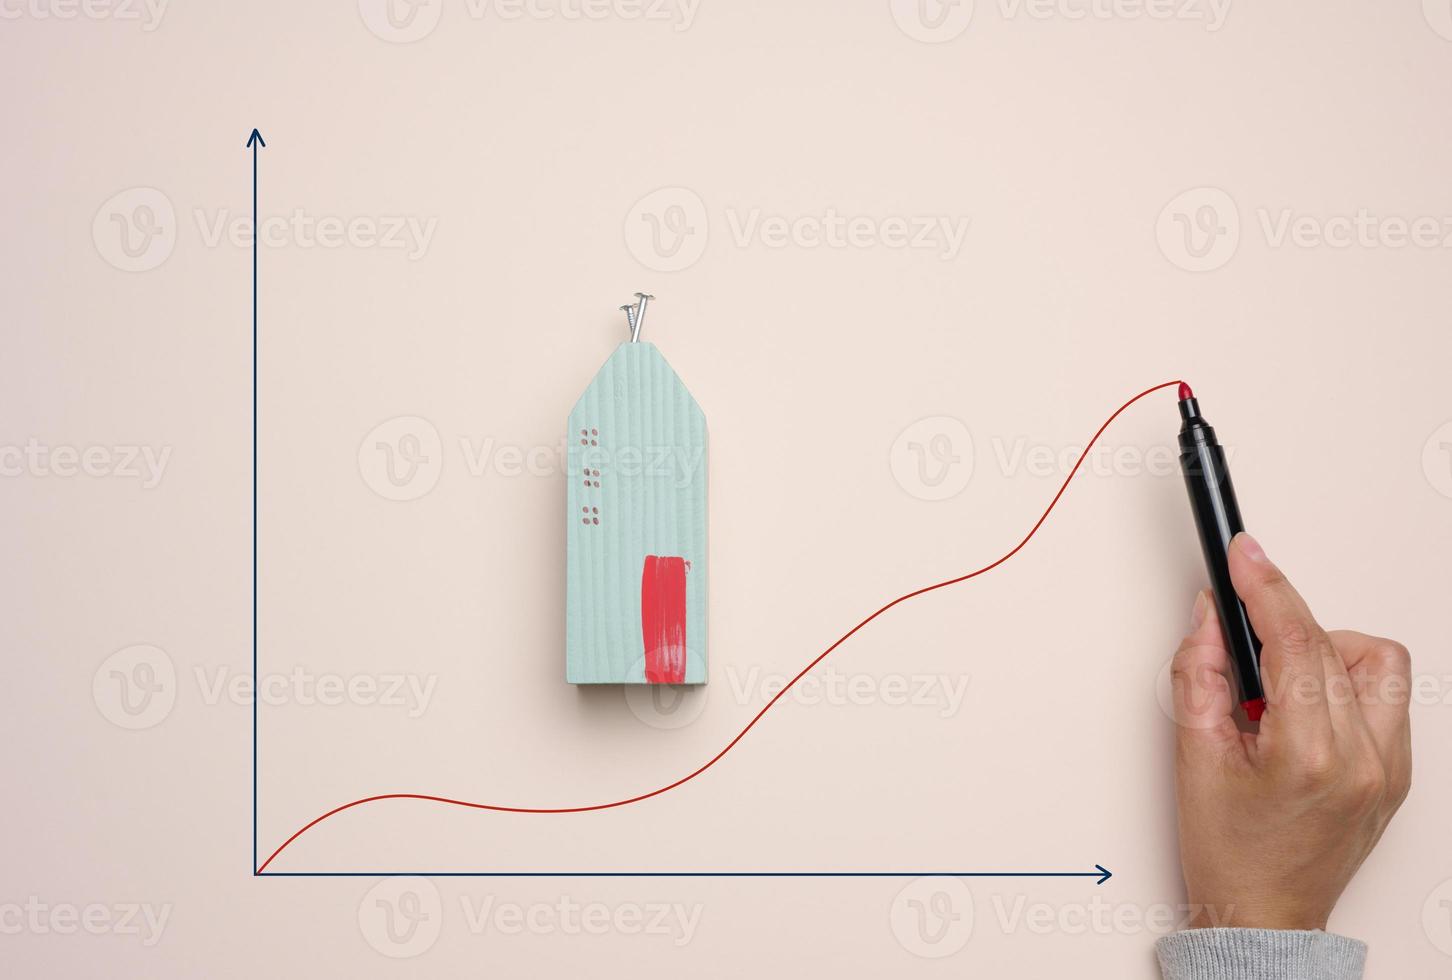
254,142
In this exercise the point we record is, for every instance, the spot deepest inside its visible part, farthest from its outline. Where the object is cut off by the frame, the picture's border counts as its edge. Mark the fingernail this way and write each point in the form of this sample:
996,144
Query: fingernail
1197,614
1251,547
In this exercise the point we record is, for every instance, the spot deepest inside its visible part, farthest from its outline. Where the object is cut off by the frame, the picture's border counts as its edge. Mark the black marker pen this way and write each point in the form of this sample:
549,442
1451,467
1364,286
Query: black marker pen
1217,516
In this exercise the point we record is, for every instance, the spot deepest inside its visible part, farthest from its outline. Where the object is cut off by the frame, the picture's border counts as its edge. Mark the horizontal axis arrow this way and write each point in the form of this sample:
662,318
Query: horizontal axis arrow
1100,872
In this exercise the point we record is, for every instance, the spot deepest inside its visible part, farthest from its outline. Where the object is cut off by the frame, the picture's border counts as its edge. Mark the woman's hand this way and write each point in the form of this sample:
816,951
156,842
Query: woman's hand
1273,825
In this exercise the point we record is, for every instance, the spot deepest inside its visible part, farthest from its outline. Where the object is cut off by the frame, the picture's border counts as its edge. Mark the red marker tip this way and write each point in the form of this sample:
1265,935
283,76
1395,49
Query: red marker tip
1254,708
1185,391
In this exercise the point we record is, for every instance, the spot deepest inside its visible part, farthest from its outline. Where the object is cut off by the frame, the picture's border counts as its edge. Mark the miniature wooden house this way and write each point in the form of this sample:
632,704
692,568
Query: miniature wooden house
635,609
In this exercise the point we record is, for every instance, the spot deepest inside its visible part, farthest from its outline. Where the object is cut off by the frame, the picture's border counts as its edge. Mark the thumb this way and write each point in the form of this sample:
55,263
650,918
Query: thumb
1203,696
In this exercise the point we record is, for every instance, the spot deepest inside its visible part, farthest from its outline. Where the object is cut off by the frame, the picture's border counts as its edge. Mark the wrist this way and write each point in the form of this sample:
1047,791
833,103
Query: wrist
1257,914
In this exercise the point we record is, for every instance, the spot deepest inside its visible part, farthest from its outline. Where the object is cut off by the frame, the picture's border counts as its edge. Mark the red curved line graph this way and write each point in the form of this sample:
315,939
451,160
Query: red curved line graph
766,707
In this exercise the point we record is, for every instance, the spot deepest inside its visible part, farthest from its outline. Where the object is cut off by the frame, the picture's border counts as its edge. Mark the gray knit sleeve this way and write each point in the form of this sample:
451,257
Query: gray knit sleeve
1259,954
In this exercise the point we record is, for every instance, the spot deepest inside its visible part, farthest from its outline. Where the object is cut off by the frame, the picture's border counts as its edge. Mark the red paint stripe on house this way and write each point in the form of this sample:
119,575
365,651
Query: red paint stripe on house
663,618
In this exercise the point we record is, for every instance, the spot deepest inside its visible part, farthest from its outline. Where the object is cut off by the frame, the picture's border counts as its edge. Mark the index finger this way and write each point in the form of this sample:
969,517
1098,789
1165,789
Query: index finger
1381,672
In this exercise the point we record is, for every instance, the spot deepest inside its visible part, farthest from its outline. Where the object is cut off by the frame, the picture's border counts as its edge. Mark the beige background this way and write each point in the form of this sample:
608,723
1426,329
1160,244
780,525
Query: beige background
1125,179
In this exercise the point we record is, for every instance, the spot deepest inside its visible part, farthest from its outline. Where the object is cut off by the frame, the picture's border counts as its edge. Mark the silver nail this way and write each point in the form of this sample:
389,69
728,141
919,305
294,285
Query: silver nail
639,320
